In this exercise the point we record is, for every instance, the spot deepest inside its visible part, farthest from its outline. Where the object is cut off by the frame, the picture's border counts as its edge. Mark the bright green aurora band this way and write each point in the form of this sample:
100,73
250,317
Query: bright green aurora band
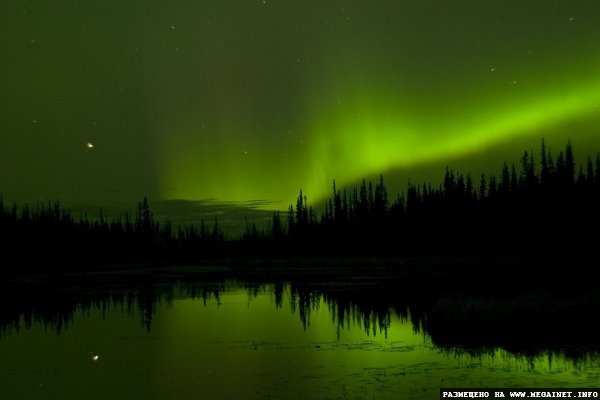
243,100
381,92
362,140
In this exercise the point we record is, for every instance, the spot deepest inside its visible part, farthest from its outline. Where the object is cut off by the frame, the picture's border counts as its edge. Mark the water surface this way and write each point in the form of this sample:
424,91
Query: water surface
236,340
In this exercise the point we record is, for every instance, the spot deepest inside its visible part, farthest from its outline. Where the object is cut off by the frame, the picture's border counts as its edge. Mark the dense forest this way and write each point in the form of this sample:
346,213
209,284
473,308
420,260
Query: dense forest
527,209
549,206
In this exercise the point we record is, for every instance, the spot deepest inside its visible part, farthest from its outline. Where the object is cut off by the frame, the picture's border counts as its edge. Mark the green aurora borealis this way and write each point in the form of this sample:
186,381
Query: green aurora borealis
242,100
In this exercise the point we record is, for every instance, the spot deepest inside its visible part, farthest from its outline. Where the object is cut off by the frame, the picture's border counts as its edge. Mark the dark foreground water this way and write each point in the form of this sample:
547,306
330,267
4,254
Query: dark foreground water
235,340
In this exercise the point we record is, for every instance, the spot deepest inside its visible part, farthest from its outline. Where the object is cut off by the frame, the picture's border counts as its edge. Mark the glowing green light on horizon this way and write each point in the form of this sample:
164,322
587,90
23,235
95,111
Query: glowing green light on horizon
372,144
376,92
248,100
361,141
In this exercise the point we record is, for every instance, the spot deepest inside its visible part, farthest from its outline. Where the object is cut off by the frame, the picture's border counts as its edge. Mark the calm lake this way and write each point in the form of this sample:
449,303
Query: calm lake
234,339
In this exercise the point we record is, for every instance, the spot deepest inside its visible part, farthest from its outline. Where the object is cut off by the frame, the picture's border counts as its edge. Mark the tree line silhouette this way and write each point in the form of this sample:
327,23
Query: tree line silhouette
529,209
533,208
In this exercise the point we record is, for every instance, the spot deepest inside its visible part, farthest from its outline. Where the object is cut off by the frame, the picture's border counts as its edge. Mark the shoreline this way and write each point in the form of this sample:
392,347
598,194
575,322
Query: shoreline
517,270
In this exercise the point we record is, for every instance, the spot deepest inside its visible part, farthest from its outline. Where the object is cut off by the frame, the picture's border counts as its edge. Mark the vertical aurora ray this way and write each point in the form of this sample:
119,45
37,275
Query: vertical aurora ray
253,99
365,143
307,93
368,135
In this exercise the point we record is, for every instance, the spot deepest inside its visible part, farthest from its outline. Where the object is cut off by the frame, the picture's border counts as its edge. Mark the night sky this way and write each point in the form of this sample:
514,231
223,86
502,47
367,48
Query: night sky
254,99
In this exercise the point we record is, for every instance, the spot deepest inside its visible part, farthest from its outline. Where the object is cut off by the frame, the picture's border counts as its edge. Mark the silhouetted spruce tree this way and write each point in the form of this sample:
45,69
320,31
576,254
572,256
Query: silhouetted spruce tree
380,202
569,166
370,199
514,180
597,170
504,184
362,207
449,184
545,166
276,229
528,177
217,235
144,223
589,175
127,225
412,199
291,220
560,173
302,213
338,212
327,216
469,193
204,236
493,189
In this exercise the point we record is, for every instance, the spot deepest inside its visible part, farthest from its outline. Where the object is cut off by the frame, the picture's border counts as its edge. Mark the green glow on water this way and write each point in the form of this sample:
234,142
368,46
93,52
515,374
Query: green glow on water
245,347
